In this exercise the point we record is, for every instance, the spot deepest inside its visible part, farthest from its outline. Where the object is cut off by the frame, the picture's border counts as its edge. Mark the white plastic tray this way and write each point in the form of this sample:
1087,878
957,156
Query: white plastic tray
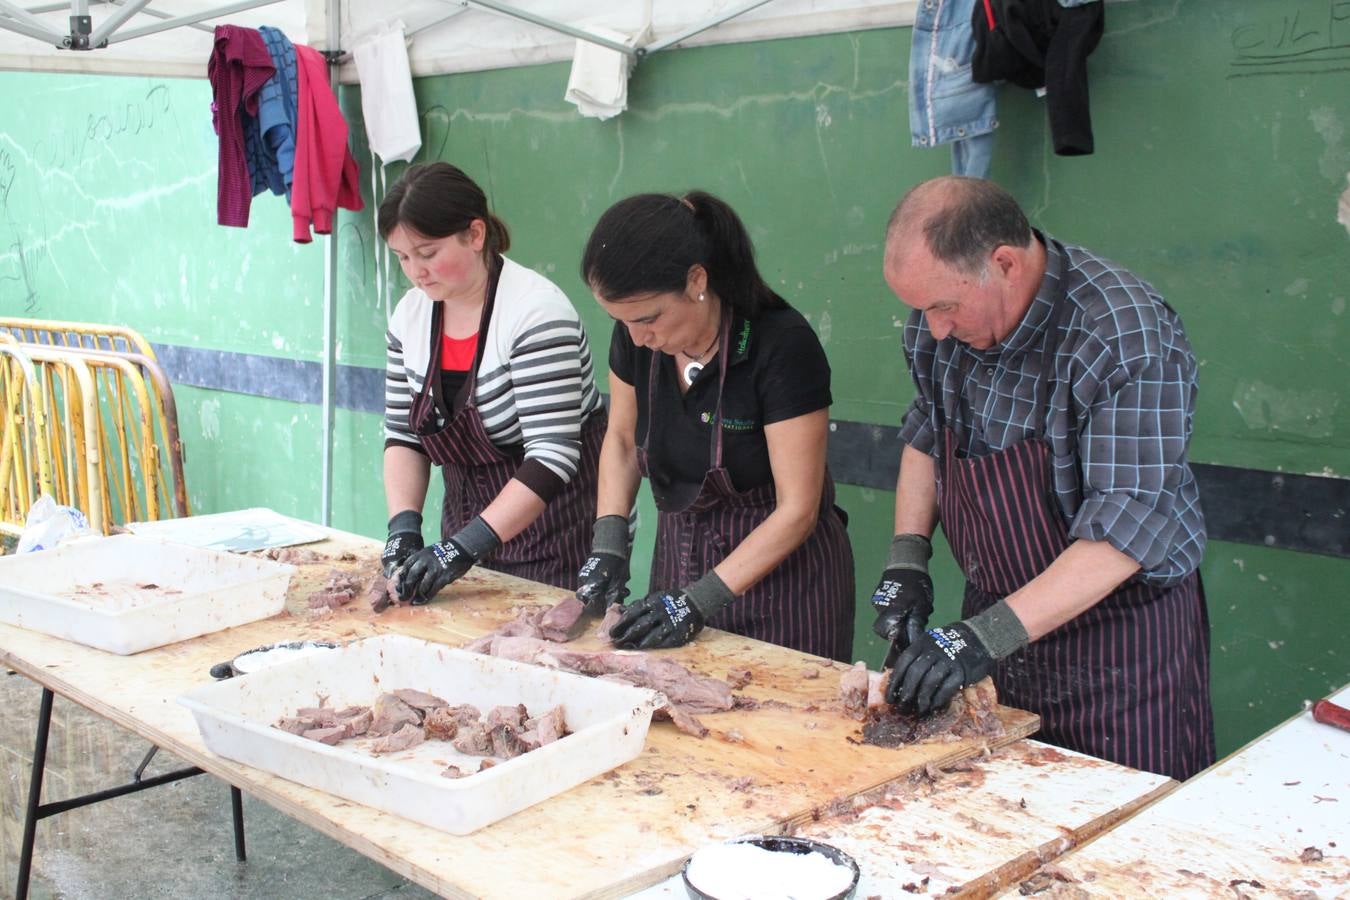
609,723
126,593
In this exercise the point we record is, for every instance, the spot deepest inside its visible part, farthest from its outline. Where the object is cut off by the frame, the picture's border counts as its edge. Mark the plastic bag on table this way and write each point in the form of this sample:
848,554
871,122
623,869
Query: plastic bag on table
49,523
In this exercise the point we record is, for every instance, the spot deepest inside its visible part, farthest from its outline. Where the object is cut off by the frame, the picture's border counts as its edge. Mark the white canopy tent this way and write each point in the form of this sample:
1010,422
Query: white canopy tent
175,38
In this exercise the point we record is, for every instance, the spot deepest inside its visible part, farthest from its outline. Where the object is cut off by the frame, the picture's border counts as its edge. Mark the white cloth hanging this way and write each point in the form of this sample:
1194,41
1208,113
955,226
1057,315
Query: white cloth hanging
387,102
598,84
393,129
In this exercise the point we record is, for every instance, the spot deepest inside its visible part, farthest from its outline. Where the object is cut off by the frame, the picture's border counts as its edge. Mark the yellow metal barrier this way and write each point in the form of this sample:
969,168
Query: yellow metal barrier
70,396
25,458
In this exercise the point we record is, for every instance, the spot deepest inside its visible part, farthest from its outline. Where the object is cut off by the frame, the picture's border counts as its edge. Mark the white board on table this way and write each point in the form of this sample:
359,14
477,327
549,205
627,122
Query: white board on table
238,531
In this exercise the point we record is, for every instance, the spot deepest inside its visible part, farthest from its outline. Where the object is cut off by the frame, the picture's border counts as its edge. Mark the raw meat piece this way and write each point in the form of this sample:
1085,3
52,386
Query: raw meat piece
682,719
381,594
555,623
612,616
548,727
390,714
294,725
853,690
473,739
973,712
340,588
420,699
321,716
486,764
739,678
514,716
506,741
406,737
441,724
357,724
455,772
328,736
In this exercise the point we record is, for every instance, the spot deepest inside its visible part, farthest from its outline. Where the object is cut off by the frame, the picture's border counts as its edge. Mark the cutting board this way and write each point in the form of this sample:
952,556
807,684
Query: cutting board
1272,820
986,824
757,770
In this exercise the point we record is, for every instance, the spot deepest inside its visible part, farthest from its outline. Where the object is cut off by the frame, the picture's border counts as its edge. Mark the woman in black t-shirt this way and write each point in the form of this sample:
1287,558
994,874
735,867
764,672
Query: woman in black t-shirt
720,395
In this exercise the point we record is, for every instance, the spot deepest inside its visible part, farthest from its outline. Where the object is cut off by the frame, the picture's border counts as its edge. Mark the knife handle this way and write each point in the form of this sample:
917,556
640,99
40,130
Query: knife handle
1329,713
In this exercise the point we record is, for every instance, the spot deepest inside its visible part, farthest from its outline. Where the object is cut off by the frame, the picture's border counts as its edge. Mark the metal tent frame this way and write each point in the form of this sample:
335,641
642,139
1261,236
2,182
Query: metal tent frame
83,35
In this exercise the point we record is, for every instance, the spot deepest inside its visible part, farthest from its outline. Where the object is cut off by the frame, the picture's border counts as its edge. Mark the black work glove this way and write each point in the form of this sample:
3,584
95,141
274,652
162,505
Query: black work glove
903,599
671,618
405,539
603,578
943,660
432,568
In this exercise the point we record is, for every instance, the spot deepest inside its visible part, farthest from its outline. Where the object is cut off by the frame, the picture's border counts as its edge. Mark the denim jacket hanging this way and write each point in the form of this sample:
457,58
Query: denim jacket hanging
945,105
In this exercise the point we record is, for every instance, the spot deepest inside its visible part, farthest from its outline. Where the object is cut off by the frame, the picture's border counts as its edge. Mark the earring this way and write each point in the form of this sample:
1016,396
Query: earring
701,297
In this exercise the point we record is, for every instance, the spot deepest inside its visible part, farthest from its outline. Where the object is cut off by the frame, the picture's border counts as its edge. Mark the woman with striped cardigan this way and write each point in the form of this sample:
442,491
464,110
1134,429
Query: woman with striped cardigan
489,377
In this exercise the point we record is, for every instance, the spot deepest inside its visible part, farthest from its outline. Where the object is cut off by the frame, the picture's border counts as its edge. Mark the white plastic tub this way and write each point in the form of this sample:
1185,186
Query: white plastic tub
609,722
126,593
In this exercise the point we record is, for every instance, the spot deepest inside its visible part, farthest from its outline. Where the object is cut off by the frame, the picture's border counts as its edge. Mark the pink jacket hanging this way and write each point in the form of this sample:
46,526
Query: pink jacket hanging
325,170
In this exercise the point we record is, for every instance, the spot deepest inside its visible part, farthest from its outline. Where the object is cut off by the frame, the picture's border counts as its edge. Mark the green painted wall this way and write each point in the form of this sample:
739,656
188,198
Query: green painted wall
1220,189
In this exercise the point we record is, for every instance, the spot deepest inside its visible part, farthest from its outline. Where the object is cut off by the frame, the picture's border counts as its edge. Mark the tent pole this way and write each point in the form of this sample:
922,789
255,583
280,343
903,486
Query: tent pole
559,27
704,26
15,18
330,264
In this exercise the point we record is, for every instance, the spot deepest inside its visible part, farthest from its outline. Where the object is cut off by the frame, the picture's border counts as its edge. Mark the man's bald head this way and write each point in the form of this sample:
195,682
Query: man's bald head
959,220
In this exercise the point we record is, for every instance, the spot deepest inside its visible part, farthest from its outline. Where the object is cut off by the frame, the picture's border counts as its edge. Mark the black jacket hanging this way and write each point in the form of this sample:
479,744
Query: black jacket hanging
1039,43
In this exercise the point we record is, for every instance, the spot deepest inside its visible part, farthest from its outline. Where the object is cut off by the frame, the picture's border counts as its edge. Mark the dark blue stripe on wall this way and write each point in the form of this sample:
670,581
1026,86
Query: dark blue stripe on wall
356,387
1245,506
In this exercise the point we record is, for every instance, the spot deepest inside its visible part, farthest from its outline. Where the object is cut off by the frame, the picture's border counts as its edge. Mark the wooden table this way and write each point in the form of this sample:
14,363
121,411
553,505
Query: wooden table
979,827
606,838
1271,820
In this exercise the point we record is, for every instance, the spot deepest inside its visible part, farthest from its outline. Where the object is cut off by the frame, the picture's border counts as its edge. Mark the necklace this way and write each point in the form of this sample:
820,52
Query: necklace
695,364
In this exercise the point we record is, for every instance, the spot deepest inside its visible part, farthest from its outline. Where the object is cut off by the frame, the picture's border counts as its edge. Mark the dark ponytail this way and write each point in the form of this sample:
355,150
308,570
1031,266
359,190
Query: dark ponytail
437,200
647,243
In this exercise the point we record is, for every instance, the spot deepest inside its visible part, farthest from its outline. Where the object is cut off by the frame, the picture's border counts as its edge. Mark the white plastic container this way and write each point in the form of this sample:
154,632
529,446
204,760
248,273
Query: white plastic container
126,593
609,722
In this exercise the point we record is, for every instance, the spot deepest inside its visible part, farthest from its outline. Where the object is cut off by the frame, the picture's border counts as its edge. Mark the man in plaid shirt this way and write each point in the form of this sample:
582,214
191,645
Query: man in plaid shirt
1049,437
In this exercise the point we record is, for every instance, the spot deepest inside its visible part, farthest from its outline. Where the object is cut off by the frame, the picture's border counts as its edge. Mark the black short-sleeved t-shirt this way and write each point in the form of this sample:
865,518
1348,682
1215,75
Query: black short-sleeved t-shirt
778,371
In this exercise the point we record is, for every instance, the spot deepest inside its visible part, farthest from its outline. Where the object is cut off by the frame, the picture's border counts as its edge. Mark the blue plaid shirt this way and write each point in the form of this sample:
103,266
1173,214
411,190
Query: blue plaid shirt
1118,415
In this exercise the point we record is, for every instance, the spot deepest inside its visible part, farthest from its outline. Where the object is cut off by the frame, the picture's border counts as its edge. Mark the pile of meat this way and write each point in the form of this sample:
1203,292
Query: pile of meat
402,719
973,712
342,586
552,623
686,693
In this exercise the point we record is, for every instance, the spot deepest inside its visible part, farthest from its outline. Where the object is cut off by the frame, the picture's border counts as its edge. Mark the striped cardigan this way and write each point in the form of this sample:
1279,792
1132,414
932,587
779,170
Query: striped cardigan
535,383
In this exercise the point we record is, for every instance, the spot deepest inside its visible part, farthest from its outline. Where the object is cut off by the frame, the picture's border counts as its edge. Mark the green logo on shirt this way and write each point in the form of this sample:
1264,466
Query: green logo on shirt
728,423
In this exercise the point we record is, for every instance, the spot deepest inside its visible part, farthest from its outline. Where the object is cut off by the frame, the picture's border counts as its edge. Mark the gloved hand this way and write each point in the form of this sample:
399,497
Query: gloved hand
903,599
405,539
429,570
943,660
671,618
603,578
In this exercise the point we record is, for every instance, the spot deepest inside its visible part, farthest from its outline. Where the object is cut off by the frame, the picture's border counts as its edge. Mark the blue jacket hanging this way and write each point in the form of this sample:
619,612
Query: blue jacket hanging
272,156
946,106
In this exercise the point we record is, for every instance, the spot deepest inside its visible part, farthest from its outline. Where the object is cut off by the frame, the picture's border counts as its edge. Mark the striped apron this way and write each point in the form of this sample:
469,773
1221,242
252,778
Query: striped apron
1128,679
554,546
806,603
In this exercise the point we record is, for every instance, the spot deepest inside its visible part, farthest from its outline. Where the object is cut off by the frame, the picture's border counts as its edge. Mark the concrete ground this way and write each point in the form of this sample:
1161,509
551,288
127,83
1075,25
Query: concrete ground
175,840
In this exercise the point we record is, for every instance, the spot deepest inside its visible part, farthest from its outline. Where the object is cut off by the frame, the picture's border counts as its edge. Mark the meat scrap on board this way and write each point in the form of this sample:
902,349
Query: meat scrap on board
686,692
973,712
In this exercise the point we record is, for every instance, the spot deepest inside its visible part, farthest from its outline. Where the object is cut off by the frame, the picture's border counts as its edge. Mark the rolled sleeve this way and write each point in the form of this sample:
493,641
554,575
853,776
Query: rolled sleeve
1133,459
916,428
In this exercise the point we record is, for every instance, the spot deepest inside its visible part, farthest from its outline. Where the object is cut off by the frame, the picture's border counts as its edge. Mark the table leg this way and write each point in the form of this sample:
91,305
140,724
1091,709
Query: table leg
36,810
31,816
237,806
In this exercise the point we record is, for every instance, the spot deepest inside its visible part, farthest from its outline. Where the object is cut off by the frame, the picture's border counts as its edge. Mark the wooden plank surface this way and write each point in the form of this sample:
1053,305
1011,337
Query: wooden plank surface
1272,820
606,838
985,824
